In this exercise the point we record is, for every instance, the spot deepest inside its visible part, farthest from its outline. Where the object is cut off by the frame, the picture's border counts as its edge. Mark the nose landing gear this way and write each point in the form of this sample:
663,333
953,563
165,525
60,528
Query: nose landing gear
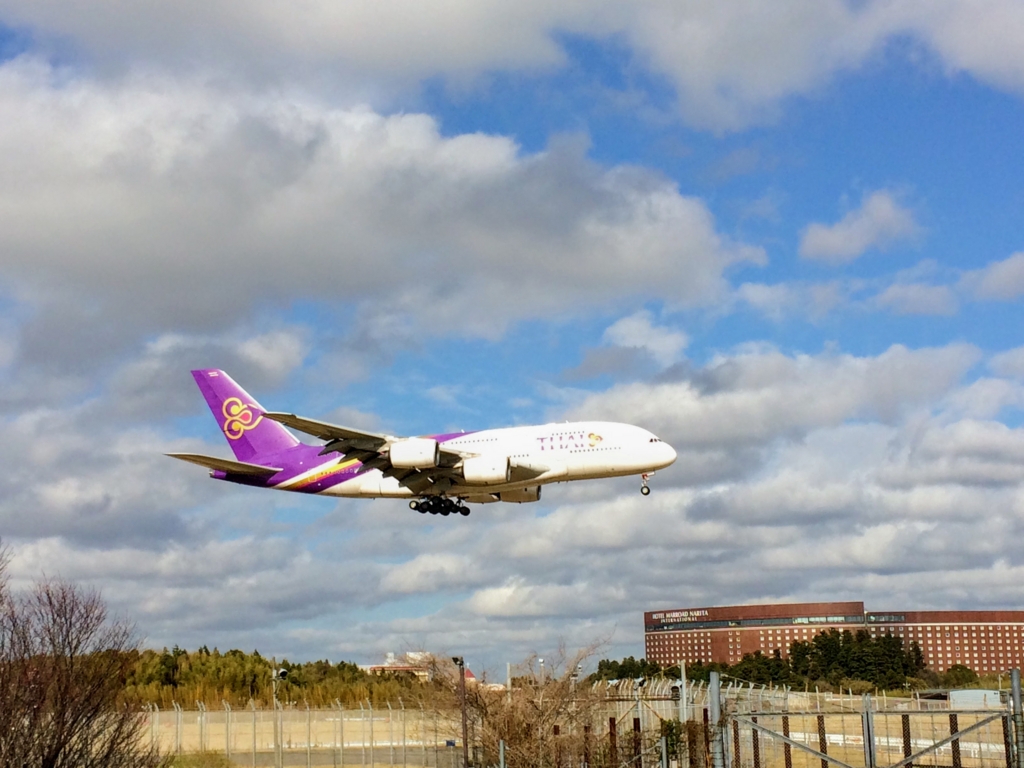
645,489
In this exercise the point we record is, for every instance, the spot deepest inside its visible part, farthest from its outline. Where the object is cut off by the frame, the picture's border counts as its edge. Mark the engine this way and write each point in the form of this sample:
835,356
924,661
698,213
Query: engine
486,470
522,495
415,453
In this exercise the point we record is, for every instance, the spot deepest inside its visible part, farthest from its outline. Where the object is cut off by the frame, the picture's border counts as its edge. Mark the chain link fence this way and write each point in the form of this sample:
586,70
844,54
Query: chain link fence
629,724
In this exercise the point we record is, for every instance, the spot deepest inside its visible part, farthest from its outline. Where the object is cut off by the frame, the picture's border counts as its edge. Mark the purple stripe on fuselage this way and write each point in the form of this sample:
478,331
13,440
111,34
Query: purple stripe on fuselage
303,458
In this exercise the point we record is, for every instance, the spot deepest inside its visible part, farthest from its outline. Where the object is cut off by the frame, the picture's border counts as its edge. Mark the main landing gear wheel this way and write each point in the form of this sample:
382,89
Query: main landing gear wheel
645,489
439,505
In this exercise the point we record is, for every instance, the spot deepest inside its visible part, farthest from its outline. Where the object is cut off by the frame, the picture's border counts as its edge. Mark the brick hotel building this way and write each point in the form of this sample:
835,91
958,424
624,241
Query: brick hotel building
985,641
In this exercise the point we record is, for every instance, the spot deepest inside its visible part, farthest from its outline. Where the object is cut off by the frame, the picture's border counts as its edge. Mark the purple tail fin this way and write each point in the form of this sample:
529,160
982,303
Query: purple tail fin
241,418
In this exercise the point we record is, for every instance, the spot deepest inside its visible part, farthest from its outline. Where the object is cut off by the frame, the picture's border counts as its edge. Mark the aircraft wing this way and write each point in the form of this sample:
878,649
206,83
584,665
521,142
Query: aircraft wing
226,465
354,438
371,449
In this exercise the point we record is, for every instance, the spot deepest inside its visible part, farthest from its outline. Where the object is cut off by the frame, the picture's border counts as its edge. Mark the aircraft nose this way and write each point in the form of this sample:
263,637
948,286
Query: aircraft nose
668,454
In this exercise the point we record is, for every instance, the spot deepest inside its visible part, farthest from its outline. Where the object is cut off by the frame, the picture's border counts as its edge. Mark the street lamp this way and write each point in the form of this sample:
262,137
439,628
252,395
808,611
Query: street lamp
461,664
277,676
541,661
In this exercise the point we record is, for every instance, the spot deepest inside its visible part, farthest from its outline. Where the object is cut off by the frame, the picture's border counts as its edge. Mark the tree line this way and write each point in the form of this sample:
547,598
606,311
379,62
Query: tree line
833,659
238,678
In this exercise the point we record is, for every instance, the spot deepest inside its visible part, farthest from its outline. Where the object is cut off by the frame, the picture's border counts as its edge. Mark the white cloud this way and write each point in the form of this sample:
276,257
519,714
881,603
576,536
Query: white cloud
800,299
880,221
638,331
205,205
1009,363
754,397
732,64
1000,280
918,299
843,475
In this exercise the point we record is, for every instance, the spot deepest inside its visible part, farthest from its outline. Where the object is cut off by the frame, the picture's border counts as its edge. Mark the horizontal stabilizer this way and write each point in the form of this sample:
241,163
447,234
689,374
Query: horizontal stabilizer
226,465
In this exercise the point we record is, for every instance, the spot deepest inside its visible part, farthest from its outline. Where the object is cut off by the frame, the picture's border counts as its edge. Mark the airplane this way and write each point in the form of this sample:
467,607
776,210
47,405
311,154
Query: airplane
440,474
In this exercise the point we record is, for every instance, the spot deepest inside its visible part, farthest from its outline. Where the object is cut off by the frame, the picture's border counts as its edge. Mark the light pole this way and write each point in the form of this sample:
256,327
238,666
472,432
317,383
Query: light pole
461,663
541,661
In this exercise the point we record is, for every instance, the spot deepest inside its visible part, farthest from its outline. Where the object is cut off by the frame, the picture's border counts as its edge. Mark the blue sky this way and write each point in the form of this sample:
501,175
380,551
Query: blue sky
785,237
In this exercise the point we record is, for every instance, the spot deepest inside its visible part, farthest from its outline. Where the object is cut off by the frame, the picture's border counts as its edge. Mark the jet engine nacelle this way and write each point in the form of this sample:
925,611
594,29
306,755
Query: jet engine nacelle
486,470
522,495
415,453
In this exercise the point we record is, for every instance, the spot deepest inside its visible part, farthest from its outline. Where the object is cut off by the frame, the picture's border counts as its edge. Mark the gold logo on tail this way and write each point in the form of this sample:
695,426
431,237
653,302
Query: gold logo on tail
238,418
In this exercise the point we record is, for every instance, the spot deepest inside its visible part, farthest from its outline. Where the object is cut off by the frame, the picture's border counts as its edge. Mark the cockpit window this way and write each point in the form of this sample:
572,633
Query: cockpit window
654,440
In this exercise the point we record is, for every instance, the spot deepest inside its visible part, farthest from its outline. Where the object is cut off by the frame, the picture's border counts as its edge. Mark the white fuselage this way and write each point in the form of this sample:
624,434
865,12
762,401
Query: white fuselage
541,454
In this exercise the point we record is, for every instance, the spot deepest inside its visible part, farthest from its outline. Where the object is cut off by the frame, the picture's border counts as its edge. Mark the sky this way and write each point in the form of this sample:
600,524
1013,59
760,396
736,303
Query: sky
785,237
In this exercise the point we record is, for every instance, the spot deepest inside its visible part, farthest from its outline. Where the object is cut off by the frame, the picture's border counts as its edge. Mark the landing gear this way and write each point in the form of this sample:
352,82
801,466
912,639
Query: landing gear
439,505
645,489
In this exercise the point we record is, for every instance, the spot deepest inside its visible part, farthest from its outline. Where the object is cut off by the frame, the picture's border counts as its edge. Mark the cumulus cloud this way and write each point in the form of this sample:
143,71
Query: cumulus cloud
731,64
1009,363
631,345
918,299
879,222
780,301
665,345
792,469
756,396
1000,280
185,207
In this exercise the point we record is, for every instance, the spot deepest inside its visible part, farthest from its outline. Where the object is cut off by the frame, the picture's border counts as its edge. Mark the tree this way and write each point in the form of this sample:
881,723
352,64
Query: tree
628,668
957,676
63,666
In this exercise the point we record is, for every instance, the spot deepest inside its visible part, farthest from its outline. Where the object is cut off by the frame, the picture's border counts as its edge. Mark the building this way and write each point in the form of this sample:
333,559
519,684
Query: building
418,664
985,641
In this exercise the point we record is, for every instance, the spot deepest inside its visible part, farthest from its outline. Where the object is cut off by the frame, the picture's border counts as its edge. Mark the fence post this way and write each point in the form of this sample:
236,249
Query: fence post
369,705
868,727
683,714
907,742
954,728
404,743
391,734
252,703
341,732
279,719
715,713
177,728
613,747
227,729
201,706
309,738
156,725
362,733
1018,718
501,754
664,751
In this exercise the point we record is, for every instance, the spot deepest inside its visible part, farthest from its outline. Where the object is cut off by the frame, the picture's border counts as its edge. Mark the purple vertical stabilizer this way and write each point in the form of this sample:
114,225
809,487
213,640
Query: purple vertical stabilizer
241,418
